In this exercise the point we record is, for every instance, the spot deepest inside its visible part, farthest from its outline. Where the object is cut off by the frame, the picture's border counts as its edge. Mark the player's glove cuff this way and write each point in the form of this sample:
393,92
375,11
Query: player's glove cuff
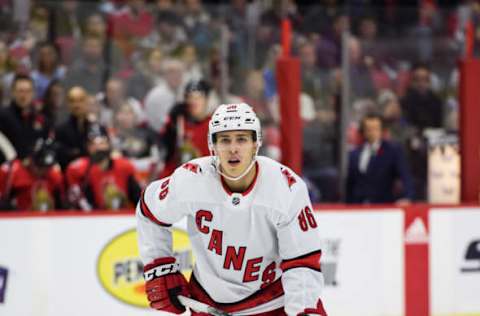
160,267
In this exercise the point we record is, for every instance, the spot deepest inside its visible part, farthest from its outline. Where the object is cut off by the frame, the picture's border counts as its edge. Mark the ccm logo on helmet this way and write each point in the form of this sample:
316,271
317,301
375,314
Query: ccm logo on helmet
231,118
161,270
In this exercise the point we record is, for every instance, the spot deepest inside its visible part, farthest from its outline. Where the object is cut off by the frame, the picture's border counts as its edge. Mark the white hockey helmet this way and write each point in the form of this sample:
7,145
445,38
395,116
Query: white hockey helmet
233,117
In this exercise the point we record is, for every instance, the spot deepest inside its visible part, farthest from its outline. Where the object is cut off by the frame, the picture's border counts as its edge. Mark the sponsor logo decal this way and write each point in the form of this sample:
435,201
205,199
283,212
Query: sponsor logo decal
236,200
120,270
472,257
3,283
416,233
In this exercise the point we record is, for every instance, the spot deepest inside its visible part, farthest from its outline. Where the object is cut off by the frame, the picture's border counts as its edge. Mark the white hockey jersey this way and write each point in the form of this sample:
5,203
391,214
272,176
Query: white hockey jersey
255,251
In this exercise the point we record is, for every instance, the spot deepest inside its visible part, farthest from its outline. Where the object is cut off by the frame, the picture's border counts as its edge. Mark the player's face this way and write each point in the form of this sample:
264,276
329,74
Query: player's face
99,149
196,104
235,150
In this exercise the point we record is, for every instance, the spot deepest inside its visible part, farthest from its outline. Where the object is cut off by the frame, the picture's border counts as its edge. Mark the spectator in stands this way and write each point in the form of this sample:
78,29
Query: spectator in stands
368,37
48,68
131,24
266,35
72,134
256,96
163,97
320,152
21,122
101,181
147,75
375,166
195,17
185,135
53,104
315,81
197,25
169,34
421,106
38,24
423,109
67,20
111,100
333,36
319,18
221,86
96,26
5,73
90,70
35,183
193,69
6,16
138,143
18,63
243,17
429,21
396,127
361,70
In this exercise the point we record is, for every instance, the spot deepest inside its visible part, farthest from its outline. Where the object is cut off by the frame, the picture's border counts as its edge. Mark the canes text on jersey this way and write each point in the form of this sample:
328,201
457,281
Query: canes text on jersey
234,259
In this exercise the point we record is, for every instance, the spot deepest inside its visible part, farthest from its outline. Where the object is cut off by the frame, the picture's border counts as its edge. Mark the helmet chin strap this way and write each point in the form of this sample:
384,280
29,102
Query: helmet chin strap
218,167
250,166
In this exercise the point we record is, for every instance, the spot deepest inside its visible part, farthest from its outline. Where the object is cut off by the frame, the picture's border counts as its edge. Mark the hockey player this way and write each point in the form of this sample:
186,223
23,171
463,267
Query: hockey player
101,180
34,183
250,223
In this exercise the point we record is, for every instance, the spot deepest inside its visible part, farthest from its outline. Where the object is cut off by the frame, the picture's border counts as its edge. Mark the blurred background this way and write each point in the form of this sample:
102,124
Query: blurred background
370,101
125,65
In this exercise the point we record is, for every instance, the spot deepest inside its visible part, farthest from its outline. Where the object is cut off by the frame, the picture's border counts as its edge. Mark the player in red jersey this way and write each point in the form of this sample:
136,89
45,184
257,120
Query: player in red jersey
101,181
34,183
185,134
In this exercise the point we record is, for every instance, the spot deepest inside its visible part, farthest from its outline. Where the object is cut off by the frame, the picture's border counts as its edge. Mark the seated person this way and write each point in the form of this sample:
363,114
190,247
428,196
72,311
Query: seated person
137,143
34,183
100,180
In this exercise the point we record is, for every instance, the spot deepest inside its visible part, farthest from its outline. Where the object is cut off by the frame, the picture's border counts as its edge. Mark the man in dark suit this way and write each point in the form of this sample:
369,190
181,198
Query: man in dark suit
377,167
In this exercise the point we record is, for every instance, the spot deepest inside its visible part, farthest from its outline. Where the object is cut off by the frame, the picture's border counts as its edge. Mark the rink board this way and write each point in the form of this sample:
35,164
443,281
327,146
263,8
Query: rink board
455,276
88,264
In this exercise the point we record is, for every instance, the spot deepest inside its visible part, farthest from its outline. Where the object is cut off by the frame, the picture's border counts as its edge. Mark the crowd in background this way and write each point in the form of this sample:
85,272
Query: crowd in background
100,97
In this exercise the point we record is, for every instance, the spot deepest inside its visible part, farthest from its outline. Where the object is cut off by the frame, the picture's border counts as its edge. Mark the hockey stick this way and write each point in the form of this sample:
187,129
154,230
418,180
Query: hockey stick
201,307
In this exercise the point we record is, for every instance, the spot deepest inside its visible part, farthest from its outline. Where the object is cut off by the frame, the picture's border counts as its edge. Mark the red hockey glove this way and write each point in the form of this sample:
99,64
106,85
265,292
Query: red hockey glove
163,283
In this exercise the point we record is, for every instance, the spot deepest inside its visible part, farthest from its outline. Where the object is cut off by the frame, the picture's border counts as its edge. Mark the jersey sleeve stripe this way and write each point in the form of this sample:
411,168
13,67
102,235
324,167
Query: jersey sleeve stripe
260,297
310,260
148,214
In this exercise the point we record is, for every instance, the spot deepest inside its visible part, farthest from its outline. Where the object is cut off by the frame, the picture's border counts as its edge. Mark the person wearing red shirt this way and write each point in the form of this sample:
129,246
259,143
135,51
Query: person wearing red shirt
101,181
131,24
184,137
34,183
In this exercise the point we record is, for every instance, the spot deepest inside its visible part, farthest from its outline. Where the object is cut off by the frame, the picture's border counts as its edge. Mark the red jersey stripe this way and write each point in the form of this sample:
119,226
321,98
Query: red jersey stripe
310,260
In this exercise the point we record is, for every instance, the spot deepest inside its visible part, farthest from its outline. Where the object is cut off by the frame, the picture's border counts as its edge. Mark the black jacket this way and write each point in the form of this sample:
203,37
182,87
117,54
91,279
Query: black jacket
71,140
377,184
23,130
